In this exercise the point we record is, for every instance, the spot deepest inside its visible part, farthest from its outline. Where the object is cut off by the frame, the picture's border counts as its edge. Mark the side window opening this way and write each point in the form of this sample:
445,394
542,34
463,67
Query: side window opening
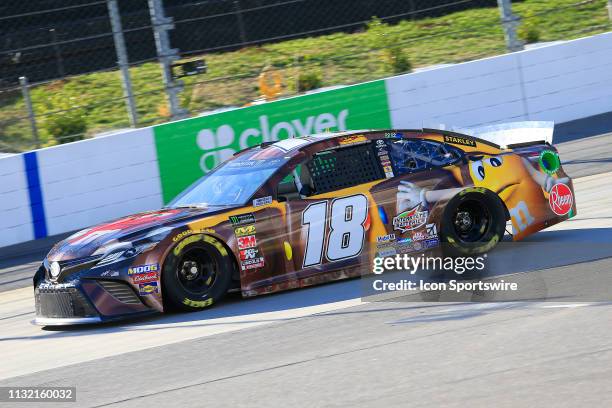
413,155
343,167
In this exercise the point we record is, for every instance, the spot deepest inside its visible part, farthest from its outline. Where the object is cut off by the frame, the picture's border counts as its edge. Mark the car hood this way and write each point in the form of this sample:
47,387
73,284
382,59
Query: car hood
85,242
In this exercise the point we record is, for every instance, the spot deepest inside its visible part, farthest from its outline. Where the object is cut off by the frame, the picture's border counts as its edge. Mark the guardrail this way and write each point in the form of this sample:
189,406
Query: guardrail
72,186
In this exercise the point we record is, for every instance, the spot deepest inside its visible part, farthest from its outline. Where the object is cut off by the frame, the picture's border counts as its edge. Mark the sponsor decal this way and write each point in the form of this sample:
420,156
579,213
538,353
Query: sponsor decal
429,233
384,238
410,219
430,243
243,231
417,245
148,288
252,263
242,219
248,241
464,141
134,270
386,251
250,253
560,199
383,154
258,202
405,249
145,277
251,259
111,274
352,139
197,303
431,230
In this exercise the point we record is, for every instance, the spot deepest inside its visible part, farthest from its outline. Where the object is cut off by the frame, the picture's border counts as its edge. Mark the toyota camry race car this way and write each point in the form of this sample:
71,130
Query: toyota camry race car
308,210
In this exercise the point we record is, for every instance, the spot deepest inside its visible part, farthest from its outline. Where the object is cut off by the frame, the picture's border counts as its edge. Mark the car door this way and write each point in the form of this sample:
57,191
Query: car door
328,225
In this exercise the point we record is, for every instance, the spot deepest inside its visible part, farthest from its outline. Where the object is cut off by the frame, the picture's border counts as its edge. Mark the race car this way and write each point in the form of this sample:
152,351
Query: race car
308,210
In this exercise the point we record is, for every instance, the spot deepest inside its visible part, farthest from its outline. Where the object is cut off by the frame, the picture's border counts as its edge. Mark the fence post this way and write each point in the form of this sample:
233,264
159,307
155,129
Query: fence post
58,54
510,22
25,91
122,61
610,9
241,29
166,55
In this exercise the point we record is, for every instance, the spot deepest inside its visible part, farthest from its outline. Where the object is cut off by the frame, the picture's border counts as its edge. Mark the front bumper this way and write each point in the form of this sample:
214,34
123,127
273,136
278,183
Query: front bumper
86,302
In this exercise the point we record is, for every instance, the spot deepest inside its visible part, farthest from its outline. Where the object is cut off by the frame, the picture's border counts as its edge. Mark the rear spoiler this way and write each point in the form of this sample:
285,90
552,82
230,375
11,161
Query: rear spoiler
513,134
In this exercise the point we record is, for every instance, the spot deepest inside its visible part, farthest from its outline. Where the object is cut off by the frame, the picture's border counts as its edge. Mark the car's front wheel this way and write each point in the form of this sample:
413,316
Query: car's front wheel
196,274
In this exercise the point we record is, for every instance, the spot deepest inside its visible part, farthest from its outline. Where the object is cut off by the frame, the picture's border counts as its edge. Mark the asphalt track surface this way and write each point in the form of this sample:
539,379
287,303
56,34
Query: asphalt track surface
324,347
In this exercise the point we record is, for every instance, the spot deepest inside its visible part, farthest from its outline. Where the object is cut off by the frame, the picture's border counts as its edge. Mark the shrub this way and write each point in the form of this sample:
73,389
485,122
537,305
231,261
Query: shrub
67,127
308,81
529,30
383,37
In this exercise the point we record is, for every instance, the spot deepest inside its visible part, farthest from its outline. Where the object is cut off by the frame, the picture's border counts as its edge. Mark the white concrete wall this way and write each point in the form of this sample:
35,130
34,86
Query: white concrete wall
560,82
96,180
569,81
15,218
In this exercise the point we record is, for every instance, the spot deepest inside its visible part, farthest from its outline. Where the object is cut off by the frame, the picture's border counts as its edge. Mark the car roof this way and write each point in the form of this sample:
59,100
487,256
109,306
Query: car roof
329,140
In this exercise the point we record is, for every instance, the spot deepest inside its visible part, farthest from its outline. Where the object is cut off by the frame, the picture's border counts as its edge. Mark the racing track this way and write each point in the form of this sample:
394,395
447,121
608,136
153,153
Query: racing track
323,347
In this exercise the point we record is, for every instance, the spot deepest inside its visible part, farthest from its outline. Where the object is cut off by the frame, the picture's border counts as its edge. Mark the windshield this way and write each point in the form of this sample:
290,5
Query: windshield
232,183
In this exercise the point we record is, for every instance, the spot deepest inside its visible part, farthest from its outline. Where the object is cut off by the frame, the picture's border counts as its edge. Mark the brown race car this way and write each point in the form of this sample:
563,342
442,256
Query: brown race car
303,211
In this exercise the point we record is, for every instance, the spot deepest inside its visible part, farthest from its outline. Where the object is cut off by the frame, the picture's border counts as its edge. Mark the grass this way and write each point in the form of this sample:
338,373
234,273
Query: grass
340,58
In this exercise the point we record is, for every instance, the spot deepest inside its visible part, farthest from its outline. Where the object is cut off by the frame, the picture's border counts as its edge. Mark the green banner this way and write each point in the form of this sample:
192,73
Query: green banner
190,148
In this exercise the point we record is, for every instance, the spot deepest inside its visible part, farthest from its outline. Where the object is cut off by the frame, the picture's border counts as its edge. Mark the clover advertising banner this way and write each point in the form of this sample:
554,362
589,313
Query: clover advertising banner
190,148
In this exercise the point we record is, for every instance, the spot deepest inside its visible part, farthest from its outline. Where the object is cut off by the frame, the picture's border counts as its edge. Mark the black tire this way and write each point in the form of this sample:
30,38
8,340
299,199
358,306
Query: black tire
474,221
197,273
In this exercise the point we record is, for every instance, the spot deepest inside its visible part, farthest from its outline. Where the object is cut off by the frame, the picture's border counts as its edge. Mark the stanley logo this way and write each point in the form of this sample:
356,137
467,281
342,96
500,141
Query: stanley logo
460,140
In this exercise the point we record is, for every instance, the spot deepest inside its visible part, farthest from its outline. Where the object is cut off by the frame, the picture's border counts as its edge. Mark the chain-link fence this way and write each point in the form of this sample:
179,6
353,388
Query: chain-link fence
81,61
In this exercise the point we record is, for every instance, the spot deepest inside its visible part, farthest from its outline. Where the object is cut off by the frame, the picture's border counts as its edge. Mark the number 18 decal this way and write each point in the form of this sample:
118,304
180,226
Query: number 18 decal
346,229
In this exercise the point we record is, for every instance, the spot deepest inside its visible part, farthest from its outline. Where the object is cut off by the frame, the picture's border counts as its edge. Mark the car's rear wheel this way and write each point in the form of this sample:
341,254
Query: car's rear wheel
197,273
473,223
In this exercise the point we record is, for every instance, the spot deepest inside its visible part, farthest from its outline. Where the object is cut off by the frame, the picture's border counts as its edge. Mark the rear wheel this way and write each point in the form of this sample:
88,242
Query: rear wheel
197,273
473,223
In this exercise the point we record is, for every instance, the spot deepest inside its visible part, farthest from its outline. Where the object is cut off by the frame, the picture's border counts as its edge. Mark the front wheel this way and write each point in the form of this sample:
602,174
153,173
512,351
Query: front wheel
196,274
473,223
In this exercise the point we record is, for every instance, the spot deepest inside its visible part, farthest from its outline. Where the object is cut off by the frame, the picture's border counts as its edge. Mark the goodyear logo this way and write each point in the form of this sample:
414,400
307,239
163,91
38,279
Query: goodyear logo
197,303
143,269
464,141
185,242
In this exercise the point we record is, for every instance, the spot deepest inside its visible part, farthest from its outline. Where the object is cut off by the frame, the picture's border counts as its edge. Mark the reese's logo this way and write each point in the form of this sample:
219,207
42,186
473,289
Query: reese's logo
465,141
